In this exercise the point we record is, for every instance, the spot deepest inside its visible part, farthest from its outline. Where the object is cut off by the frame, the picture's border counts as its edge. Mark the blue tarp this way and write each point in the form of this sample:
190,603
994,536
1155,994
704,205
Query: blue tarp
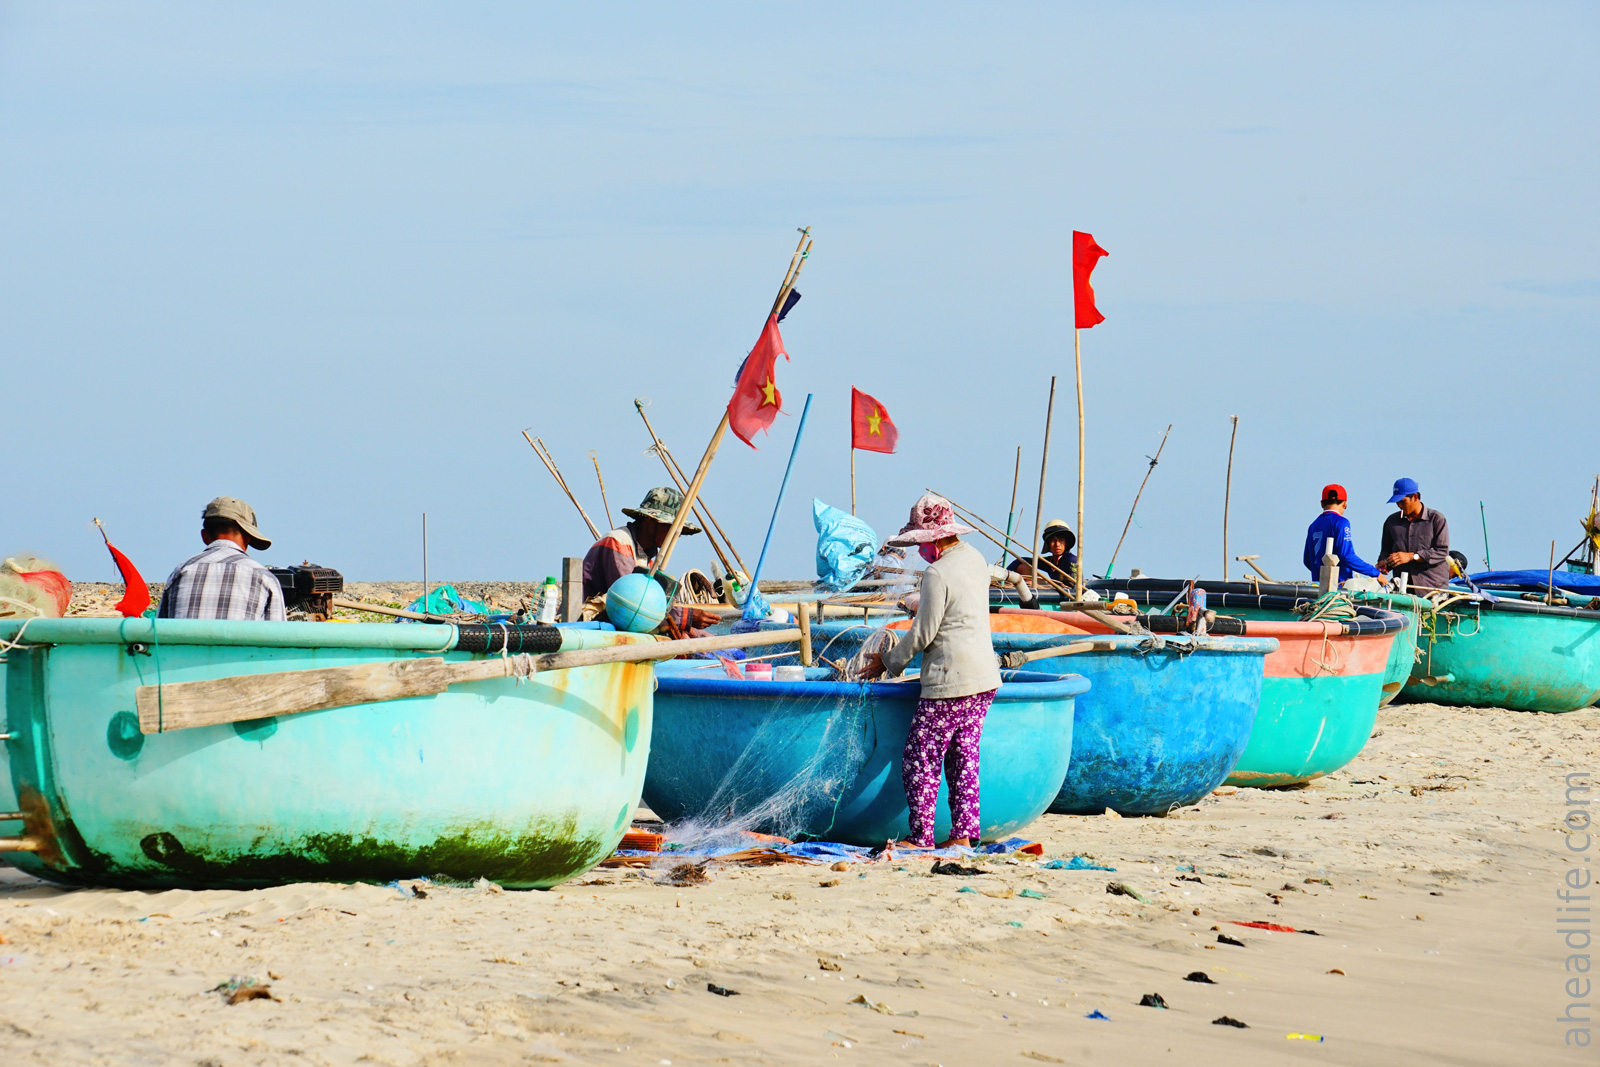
846,546
831,851
1587,584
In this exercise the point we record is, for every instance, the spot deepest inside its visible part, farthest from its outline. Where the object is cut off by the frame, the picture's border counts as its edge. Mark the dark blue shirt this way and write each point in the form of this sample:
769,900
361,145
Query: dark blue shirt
1334,525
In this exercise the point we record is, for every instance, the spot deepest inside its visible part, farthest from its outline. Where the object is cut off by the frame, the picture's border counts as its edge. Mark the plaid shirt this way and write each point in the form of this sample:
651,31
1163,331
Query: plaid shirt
222,583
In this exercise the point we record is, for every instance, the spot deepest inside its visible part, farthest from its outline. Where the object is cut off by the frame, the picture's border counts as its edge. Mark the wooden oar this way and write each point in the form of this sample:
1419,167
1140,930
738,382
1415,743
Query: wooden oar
1013,660
185,705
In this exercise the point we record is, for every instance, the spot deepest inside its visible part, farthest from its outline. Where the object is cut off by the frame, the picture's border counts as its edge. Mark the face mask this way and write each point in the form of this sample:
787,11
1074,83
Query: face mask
930,551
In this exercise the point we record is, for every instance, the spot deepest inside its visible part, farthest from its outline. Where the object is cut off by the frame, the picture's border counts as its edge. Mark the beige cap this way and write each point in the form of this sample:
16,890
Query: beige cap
227,507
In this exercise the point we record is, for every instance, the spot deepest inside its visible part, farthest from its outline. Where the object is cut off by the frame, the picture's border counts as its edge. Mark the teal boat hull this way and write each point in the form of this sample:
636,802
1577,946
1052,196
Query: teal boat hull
821,760
1509,654
524,784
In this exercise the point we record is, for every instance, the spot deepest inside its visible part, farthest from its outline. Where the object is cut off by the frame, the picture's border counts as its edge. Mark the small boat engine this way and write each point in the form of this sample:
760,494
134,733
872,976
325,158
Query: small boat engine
309,589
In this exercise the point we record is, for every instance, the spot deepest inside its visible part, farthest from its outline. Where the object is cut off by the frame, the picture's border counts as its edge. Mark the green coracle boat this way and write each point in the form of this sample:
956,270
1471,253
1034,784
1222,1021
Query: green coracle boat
525,783
1487,651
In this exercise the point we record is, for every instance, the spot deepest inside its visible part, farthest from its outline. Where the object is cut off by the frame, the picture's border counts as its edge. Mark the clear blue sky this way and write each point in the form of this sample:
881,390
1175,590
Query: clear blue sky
333,258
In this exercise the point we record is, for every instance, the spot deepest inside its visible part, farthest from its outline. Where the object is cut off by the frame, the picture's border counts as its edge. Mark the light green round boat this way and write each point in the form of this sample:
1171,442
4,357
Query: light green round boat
1493,652
526,783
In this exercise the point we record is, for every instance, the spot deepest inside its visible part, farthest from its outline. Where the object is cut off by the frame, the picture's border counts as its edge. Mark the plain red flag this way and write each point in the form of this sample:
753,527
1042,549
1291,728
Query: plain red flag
871,428
756,400
1085,254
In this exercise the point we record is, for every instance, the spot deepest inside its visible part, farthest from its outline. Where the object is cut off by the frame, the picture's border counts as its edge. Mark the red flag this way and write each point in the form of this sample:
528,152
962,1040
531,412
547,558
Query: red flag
756,400
136,594
1085,254
871,428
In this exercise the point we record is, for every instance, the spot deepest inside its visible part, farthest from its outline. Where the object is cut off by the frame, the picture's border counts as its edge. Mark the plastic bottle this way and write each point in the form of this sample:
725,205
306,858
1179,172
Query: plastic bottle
549,602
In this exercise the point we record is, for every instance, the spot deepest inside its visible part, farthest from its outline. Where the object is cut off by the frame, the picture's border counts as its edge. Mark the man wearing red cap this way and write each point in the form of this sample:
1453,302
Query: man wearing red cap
1332,523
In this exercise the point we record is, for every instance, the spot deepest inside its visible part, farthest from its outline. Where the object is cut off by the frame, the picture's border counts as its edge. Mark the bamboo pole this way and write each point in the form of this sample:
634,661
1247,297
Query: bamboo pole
797,263
1151,470
968,513
1011,513
1077,360
1044,462
1550,590
702,510
549,465
852,477
601,478
1227,496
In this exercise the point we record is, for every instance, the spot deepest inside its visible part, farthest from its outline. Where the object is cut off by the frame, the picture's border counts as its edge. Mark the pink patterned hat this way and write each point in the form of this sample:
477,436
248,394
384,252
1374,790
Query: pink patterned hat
932,518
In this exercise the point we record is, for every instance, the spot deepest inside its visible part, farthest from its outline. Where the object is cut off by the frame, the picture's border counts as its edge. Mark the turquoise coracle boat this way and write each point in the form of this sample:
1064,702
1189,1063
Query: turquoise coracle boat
821,760
1493,652
526,784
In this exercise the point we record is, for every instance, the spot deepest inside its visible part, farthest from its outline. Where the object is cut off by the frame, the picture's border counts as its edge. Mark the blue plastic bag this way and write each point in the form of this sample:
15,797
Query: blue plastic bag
846,546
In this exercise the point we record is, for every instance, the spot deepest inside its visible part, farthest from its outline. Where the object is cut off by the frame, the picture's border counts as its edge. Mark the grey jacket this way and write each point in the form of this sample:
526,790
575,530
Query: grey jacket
951,629
1428,536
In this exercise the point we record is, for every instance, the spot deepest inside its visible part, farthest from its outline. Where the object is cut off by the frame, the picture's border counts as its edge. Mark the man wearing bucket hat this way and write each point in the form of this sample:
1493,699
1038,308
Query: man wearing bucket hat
1057,561
1416,540
631,547
960,673
223,582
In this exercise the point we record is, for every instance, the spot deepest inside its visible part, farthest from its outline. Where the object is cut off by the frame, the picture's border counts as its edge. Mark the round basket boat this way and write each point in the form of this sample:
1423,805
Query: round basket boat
526,784
820,760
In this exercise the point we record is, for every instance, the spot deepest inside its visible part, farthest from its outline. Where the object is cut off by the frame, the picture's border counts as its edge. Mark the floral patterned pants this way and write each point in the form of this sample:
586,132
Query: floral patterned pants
944,731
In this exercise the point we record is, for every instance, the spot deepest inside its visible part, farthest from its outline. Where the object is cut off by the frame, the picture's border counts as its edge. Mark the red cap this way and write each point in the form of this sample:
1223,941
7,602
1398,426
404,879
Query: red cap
1334,494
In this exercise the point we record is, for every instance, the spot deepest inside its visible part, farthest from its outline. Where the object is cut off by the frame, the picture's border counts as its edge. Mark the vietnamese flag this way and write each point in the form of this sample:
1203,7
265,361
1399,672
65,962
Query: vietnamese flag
756,400
871,428
1085,254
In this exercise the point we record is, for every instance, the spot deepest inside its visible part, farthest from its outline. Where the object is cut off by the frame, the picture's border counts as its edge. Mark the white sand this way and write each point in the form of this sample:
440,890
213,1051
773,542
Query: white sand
1440,913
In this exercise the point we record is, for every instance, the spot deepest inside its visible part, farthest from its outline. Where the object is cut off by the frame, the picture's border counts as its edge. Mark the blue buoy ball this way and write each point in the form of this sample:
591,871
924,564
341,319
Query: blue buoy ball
636,603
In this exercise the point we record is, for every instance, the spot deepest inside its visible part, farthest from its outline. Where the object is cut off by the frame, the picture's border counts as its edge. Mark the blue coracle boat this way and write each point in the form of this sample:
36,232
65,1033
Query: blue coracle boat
1157,729
820,760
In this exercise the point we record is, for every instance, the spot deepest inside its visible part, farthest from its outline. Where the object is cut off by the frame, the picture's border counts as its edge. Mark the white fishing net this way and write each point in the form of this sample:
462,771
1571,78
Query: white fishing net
748,800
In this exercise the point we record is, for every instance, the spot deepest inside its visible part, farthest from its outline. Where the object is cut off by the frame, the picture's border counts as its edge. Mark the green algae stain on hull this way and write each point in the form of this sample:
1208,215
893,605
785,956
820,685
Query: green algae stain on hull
520,784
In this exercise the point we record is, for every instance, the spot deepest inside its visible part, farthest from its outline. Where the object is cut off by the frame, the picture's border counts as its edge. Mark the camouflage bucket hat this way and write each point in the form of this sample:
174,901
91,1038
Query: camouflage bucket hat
662,504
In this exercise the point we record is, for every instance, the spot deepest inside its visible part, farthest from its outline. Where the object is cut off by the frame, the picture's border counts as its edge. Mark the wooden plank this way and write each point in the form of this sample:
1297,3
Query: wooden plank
182,705
239,698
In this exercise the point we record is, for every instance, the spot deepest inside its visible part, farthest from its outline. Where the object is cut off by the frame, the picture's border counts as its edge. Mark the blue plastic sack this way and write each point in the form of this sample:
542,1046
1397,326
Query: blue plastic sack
846,546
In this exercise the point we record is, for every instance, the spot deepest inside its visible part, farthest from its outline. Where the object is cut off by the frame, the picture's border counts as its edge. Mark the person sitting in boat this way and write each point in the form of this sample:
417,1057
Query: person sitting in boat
1057,562
960,673
630,548
1332,523
1416,540
223,582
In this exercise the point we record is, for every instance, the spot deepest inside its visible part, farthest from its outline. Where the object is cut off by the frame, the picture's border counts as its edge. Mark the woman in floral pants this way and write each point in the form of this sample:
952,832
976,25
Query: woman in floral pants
960,673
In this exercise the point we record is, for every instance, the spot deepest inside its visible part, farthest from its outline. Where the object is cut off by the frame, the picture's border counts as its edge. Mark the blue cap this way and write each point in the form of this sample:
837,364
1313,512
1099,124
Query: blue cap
1403,487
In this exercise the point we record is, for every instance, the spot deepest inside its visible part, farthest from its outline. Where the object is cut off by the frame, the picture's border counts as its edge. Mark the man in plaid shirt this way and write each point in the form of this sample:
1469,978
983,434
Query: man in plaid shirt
222,582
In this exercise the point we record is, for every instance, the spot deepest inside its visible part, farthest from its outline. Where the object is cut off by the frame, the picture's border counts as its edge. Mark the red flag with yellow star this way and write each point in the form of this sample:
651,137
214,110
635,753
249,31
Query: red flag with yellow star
756,400
871,428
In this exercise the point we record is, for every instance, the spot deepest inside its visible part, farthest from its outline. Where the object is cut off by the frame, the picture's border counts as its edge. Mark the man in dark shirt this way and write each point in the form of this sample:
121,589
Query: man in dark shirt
1416,540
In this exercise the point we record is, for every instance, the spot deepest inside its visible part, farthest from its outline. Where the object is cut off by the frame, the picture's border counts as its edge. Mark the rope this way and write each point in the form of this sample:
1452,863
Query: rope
1327,647
16,642
1328,606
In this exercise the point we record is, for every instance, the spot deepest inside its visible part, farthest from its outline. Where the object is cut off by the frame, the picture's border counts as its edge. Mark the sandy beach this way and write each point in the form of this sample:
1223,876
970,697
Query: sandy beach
1429,868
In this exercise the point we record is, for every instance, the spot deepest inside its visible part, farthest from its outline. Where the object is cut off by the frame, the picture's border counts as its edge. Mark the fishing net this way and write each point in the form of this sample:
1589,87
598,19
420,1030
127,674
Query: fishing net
30,586
745,802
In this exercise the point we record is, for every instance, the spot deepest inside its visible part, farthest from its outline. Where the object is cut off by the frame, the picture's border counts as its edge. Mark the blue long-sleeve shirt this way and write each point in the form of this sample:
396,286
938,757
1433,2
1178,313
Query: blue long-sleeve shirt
1334,525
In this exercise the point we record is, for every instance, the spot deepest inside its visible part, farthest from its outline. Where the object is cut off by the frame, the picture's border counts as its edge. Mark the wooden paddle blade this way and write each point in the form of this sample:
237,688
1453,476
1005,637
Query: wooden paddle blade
183,705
